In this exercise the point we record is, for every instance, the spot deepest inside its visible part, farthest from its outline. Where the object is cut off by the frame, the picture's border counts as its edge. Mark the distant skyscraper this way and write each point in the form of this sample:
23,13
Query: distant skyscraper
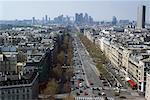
42,20
79,18
86,18
46,18
114,20
49,19
90,20
33,20
76,17
141,16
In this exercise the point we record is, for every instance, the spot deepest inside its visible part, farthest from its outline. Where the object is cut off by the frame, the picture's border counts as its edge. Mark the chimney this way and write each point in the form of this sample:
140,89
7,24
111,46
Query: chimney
5,77
19,76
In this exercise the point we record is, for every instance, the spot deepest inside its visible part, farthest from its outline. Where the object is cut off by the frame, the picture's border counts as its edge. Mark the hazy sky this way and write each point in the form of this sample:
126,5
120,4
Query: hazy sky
98,9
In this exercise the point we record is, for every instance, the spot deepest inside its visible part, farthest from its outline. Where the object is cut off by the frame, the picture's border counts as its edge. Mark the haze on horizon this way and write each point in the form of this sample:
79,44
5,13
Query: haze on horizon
98,9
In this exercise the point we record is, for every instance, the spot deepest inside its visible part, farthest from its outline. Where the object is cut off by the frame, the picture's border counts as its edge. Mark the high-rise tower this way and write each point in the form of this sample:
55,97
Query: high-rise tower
141,16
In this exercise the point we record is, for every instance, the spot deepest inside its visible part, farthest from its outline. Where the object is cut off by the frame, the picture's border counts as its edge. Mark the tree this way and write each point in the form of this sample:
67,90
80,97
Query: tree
67,87
58,71
69,57
69,73
21,57
69,97
52,88
61,58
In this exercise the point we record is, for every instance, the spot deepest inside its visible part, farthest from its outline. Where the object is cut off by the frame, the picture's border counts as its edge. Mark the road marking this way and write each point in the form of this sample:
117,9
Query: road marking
110,98
89,98
93,98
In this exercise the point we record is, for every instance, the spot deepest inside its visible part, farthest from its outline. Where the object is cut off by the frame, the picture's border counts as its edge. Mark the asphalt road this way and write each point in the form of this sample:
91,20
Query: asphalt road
91,77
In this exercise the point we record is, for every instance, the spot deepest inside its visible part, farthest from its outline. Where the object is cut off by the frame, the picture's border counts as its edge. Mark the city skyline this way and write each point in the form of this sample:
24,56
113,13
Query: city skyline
99,10
75,50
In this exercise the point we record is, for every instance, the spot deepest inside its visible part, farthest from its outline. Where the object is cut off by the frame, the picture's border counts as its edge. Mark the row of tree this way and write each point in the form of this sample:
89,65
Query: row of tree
97,56
60,80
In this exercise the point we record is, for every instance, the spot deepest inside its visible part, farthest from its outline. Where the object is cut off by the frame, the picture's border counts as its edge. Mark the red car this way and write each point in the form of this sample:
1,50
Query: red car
85,93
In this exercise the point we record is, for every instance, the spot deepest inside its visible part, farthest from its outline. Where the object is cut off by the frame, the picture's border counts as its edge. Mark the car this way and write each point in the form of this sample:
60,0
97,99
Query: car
84,87
72,89
103,94
98,88
81,91
104,82
85,93
94,88
80,84
77,94
81,79
90,83
123,97
103,88
87,87
122,79
99,94
77,87
74,77
106,85
102,78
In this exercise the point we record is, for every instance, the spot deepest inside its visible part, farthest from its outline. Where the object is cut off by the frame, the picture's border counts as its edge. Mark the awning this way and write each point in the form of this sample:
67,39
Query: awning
132,83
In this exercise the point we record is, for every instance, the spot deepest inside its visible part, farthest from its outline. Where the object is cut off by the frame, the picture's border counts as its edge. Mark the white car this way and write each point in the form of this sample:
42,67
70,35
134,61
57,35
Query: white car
80,84
103,93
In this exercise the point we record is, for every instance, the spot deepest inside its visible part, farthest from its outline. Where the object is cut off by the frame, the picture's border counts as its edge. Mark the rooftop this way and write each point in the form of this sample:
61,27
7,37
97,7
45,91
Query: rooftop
17,79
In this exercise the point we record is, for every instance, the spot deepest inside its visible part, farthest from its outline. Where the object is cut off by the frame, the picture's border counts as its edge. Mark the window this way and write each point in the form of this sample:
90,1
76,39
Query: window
139,78
13,91
9,67
27,96
13,97
8,91
17,90
27,90
23,89
23,96
139,73
9,97
3,97
17,97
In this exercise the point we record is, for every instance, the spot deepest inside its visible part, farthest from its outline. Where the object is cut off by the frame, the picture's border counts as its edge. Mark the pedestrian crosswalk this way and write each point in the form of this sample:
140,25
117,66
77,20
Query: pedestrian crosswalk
110,98
108,88
89,98
93,98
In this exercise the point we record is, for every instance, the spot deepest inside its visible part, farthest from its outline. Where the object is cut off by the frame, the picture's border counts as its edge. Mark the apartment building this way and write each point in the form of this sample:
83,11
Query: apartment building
23,86
147,92
121,49
8,62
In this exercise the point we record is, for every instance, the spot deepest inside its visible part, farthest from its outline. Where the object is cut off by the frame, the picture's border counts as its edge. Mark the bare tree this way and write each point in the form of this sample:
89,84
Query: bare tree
52,88
69,97
58,71
61,57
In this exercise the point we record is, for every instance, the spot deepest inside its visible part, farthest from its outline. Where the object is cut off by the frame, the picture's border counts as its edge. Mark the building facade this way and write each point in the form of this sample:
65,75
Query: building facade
141,16
19,87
